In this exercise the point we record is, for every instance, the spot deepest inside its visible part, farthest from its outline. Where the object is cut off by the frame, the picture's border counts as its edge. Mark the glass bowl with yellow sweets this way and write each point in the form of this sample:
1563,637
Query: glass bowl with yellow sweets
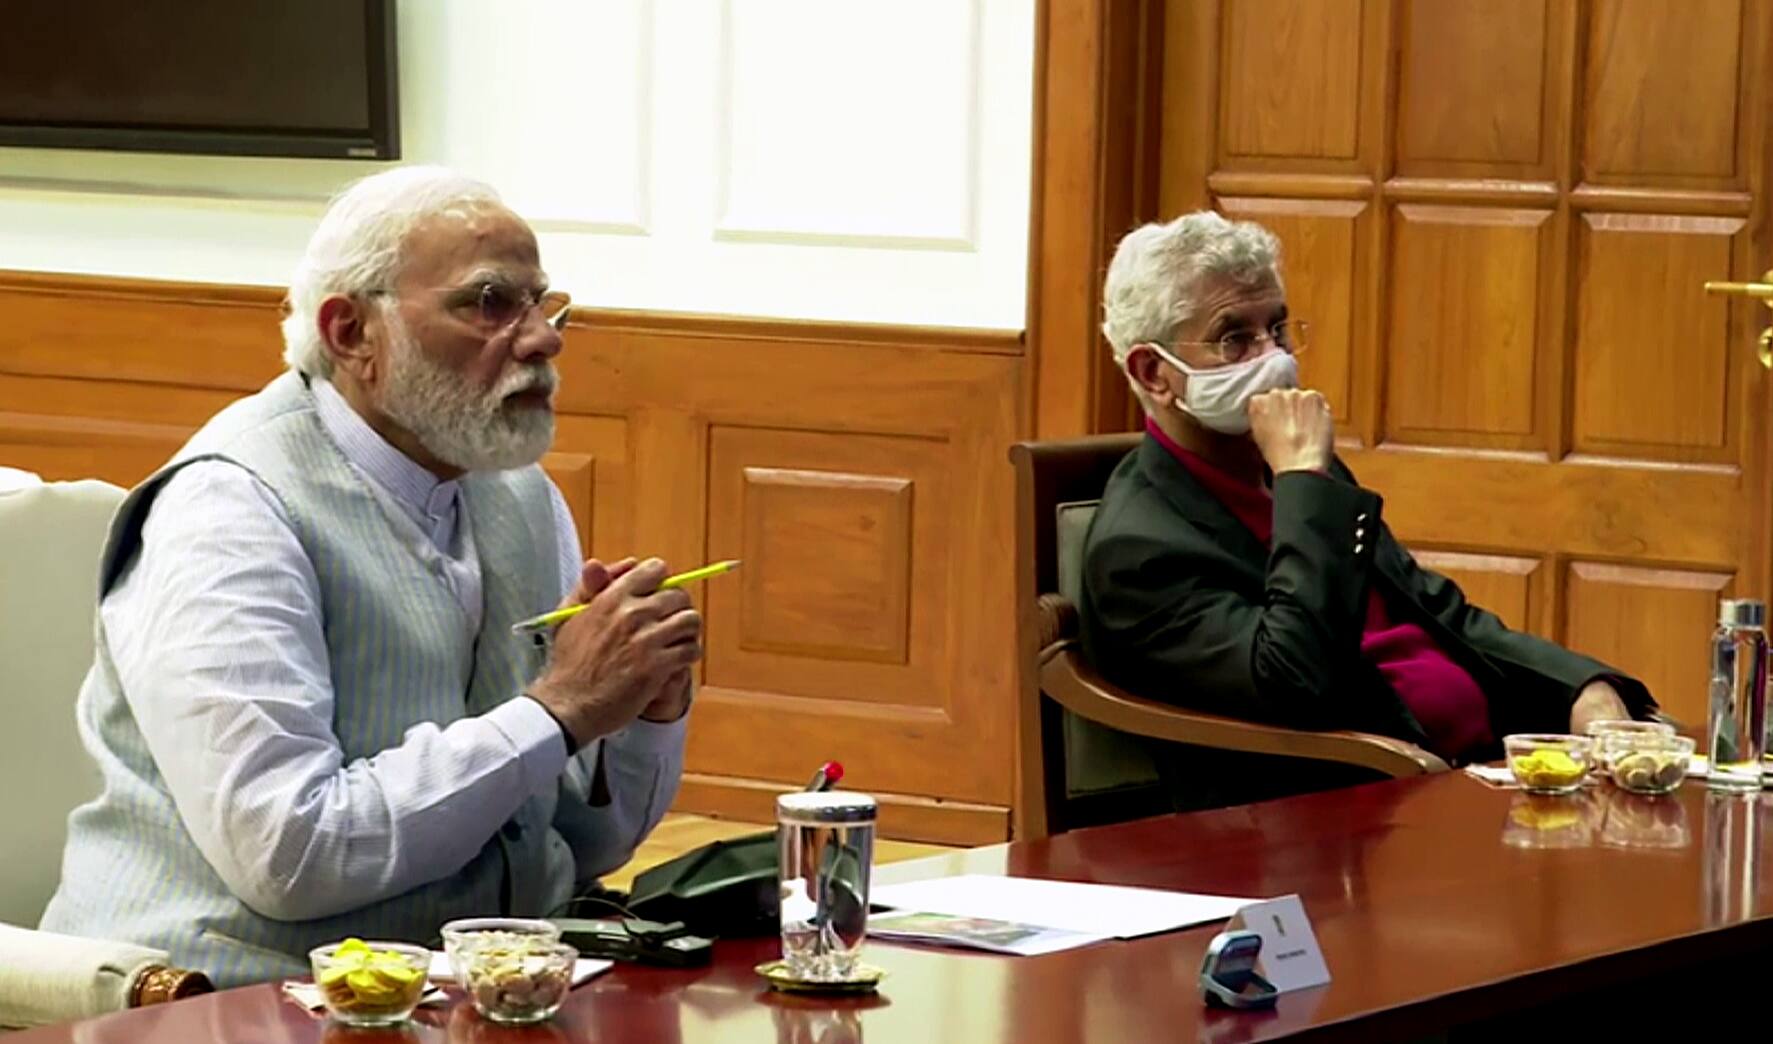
370,983
1549,764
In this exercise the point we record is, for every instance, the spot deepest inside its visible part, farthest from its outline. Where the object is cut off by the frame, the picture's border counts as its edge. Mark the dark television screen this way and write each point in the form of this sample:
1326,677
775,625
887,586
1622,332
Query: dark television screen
248,77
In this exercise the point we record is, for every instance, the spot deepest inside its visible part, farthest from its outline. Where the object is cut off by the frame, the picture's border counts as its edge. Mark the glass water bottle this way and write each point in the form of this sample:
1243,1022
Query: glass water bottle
1739,695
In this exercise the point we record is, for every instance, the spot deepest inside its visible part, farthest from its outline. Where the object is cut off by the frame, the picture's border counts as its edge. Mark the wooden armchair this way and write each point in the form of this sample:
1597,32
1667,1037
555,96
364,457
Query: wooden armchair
1076,742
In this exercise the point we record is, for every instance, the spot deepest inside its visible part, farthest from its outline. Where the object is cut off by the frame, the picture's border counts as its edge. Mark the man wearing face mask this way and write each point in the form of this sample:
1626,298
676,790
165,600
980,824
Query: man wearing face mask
1235,565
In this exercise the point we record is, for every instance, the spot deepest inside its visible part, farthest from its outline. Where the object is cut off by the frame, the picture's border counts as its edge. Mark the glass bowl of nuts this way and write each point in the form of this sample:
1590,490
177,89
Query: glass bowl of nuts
1549,764
514,972
1646,763
370,983
1600,730
473,931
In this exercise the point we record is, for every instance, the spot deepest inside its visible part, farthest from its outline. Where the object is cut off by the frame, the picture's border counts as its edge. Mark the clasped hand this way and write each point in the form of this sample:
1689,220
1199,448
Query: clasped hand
628,655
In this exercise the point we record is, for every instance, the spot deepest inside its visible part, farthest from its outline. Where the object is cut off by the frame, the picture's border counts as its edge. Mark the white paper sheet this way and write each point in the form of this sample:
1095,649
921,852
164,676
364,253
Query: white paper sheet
974,933
1110,910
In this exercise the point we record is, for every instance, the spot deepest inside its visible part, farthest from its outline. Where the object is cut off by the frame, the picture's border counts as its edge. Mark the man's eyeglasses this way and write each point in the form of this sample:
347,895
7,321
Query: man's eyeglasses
499,305
1289,335
494,306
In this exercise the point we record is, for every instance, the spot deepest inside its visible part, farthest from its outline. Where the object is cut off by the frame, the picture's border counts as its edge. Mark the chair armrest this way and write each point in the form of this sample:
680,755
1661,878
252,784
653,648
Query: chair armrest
47,978
1066,678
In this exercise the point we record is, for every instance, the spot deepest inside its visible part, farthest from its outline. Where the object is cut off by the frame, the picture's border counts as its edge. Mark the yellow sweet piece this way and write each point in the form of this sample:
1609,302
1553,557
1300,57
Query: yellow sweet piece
370,987
1548,768
396,972
361,980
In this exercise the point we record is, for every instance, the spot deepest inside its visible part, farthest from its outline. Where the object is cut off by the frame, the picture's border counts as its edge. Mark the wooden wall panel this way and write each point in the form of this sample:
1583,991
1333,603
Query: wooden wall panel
1462,344
1471,90
1514,504
860,469
1288,90
119,452
901,815
182,335
836,532
833,556
1512,588
1651,623
575,475
1662,92
590,465
1318,241
1640,281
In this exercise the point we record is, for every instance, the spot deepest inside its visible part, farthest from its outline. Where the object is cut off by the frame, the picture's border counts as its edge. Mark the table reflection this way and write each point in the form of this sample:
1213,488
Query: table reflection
1643,820
466,1026
1604,815
1731,857
812,1019
1551,820
334,1032
827,1026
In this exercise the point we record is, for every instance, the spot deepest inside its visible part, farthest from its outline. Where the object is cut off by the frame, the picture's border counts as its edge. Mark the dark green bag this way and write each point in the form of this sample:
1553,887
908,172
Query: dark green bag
726,889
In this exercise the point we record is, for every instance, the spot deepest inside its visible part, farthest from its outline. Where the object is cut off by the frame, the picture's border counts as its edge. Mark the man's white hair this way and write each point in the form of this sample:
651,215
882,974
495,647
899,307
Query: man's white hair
358,247
1158,270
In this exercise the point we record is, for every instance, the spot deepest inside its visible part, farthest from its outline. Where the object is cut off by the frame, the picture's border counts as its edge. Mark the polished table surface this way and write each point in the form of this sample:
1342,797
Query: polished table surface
1438,902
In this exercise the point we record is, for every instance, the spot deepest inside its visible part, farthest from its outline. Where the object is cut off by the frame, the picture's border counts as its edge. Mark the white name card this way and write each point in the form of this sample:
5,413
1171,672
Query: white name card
1290,957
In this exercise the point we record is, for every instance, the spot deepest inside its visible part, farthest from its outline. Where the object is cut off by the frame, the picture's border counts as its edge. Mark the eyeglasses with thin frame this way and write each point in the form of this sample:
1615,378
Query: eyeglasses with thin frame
495,306
1289,335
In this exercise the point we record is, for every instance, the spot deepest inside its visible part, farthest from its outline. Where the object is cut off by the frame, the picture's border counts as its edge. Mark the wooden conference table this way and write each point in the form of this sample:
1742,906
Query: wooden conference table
1439,902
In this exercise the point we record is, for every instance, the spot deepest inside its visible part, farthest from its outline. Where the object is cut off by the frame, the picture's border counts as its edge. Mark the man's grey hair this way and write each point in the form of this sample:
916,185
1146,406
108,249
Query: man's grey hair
1158,270
359,247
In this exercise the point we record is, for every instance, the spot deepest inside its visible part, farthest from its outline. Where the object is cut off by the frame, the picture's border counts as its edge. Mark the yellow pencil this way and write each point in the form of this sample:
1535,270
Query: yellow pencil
547,620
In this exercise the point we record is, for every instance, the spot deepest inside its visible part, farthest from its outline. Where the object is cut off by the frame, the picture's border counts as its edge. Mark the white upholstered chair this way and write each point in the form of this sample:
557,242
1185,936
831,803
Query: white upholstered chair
51,535
13,478
50,539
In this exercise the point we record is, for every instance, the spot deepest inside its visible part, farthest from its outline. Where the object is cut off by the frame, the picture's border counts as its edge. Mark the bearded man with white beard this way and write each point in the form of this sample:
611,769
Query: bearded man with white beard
1236,566
310,712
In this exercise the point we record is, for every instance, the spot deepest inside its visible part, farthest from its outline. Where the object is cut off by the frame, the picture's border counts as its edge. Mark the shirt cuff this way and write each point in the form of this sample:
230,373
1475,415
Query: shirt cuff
535,735
657,738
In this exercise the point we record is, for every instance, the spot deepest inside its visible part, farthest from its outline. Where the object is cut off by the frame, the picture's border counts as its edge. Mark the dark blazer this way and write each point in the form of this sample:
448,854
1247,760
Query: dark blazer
1182,603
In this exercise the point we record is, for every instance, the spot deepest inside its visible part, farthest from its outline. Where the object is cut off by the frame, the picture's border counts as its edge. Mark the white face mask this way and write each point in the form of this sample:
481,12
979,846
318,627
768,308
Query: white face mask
1220,397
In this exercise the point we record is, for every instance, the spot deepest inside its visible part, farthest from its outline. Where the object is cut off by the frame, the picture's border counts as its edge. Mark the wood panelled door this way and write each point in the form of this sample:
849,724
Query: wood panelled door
1499,216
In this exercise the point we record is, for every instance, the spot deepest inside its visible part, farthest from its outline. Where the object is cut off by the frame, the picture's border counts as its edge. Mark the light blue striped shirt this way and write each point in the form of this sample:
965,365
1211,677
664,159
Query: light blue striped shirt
217,634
